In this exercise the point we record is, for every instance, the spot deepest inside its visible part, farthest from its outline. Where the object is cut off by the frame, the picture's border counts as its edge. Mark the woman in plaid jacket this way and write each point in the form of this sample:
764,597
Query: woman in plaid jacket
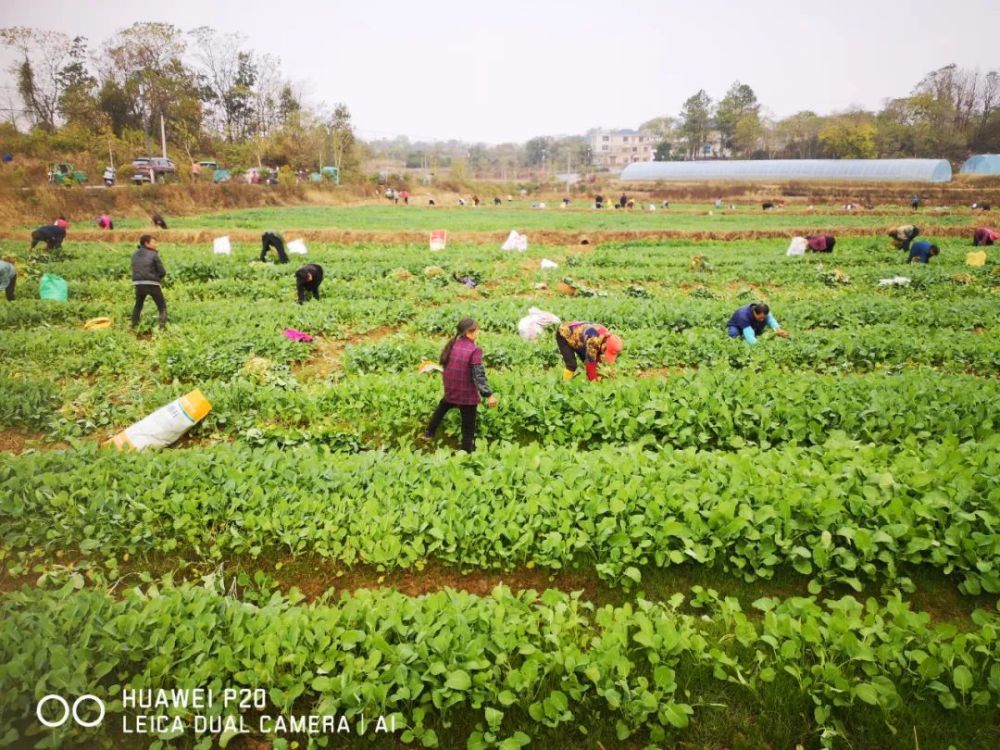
464,383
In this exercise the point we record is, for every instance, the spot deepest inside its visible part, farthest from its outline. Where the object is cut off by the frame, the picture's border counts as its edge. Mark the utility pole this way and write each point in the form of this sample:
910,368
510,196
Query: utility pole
163,136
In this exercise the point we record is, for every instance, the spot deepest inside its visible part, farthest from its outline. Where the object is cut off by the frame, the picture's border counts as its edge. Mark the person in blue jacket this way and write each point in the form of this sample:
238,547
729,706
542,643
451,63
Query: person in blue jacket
750,322
922,252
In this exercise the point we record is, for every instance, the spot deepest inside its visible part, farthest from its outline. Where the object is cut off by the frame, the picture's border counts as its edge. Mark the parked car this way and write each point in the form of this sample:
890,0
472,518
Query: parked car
261,176
145,167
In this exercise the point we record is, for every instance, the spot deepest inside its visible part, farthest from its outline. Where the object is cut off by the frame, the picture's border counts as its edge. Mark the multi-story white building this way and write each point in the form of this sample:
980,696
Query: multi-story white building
618,148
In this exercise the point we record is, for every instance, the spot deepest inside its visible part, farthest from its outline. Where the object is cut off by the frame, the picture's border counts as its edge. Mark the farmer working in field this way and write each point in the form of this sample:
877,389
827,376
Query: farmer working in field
104,222
273,239
158,221
307,281
464,383
147,273
903,236
591,342
50,234
922,252
751,320
820,243
984,236
8,277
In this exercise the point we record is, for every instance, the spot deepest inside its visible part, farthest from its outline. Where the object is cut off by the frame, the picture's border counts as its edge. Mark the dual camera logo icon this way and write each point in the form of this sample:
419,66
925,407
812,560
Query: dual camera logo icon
67,711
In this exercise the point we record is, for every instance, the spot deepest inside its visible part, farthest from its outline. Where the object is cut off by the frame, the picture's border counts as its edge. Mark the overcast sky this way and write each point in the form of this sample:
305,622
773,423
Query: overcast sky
511,69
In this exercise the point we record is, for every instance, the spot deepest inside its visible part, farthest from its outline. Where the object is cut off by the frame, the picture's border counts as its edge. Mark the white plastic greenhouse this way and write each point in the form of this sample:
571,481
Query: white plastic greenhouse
982,164
871,170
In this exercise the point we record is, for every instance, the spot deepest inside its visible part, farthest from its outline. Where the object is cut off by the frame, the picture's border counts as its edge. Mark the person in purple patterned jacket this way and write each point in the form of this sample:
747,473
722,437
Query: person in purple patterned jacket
464,383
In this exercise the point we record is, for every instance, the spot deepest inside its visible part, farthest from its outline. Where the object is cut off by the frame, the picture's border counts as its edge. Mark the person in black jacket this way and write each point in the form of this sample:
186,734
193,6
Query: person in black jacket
307,280
50,234
159,221
147,273
272,239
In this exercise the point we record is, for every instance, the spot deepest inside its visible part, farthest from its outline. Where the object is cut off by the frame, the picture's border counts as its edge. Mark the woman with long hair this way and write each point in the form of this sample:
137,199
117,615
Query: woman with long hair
464,383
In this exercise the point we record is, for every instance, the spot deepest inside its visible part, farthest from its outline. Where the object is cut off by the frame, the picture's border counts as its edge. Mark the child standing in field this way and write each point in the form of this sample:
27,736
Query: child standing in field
464,383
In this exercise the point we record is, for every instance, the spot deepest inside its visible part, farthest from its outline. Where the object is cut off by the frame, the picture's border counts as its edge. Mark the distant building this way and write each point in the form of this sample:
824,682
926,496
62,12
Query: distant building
713,147
615,149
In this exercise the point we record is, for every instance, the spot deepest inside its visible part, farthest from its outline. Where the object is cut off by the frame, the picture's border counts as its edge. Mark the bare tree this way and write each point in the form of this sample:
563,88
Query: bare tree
144,62
42,56
218,69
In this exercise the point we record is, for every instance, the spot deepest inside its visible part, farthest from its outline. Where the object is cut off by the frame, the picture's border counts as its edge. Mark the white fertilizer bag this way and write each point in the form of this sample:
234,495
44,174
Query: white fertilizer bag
165,425
531,326
894,281
515,241
439,239
548,264
297,247
221,246
797,247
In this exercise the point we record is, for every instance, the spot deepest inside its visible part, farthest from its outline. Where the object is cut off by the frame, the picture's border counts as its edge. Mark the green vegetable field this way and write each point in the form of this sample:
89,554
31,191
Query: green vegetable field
717,545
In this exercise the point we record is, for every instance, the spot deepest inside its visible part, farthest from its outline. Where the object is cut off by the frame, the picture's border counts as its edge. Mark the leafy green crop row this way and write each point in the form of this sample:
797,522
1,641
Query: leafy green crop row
713,408
841,511
26,403
848,312
820,350
523,661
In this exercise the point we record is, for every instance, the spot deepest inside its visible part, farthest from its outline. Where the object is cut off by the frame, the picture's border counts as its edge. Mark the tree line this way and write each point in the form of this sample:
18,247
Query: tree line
217,95
951,113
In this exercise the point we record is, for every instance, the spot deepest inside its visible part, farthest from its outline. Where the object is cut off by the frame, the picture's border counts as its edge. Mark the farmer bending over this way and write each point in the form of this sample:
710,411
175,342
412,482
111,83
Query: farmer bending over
8,277
307,281
751,320
984,236
272,239
50,234
922,252
591,342
903,236
820,243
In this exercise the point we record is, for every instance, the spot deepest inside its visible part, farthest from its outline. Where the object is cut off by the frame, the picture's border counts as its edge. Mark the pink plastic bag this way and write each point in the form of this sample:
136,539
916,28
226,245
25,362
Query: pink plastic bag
294,335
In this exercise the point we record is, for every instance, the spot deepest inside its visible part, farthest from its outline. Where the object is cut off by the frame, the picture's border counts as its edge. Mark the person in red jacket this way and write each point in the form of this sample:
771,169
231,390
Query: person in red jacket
820,243
464,383
984,236
591,342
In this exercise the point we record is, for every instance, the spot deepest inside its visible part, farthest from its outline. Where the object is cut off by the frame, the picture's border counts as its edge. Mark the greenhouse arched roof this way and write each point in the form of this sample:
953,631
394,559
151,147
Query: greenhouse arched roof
982,164
875,170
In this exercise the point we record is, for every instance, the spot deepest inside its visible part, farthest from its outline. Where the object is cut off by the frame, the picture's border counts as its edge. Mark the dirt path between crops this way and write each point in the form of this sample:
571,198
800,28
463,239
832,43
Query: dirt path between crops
12,441
328,351
317,577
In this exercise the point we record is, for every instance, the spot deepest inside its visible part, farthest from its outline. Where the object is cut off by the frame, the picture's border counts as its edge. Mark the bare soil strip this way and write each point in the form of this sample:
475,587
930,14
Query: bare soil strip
316,577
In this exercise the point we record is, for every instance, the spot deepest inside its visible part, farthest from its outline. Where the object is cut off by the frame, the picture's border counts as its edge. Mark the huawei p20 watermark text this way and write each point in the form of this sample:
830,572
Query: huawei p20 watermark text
178,711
